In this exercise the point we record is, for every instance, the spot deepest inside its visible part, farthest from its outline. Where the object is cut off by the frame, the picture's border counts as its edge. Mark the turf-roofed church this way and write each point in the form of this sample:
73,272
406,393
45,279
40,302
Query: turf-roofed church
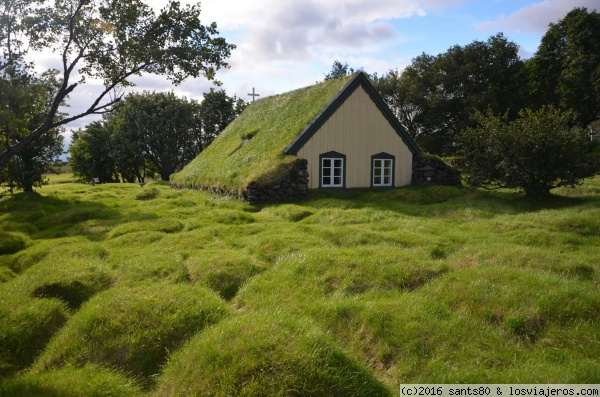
336,134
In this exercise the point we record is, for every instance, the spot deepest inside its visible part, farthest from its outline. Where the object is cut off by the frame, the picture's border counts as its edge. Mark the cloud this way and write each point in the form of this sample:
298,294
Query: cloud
536,17
292,30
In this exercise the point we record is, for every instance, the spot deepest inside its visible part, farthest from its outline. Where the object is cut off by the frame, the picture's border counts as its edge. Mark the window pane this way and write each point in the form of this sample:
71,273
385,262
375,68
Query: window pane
382,172
332,172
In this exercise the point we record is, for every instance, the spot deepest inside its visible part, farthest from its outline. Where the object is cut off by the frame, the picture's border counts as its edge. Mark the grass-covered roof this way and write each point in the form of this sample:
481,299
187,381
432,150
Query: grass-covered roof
271,124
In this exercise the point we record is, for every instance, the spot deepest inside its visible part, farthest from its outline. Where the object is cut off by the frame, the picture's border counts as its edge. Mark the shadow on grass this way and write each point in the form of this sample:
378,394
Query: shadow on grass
428,201
50,217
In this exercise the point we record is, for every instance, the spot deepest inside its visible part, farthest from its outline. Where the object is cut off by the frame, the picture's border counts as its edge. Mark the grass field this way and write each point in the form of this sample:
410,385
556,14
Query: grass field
126,290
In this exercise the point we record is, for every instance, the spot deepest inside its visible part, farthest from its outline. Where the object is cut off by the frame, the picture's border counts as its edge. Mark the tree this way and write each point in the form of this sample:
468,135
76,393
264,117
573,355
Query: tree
395,92
91,153
438,94
11,27
217,110
565,71
534,153
127,151
165,129
338,70
24,99
110,41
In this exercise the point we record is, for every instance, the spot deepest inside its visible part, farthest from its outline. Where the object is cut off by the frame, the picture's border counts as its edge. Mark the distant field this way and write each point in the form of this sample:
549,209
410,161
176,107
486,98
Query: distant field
124,290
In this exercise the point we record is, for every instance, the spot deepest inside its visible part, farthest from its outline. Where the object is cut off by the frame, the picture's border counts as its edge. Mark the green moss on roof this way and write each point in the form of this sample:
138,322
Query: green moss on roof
271,123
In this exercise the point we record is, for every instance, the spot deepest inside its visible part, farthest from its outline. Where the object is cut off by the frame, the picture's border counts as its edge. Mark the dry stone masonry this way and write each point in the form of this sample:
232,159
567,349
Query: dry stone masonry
291,188
432,171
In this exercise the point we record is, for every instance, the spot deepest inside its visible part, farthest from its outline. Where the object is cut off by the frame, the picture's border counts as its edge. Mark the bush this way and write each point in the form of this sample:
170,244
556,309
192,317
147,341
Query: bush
133,329
263,355
535,153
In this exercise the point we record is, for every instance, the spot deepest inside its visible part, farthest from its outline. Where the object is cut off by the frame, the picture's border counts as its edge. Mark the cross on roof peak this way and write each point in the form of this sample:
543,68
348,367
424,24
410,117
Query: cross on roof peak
253,94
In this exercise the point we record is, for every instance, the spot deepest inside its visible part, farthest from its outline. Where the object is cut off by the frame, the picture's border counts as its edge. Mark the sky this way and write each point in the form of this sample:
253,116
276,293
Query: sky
288,44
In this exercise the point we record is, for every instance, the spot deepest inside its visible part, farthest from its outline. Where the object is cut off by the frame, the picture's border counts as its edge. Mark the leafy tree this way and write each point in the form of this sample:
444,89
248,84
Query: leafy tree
127,151
338,70
109,41
438,94
565,71
534,153
11,27
217,110
396,91
91,153
24,99
163,129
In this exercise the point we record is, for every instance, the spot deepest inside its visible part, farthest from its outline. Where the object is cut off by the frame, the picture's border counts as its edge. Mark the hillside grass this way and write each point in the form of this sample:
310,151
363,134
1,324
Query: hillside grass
156,291
270,124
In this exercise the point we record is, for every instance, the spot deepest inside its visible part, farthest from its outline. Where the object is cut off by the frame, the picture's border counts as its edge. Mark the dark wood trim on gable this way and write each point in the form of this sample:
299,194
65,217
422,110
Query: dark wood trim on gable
360,80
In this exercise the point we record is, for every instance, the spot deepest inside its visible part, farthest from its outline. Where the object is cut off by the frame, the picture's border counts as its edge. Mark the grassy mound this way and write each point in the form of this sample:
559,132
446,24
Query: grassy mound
270,124
11,243
71,279
70,382
6,274
26,326
133,329
23,260
223,271
142,258
519,300
301,278
156,225
263,355
50,217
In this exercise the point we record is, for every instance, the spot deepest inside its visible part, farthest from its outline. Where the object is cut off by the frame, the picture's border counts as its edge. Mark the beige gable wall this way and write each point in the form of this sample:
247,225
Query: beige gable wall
359,130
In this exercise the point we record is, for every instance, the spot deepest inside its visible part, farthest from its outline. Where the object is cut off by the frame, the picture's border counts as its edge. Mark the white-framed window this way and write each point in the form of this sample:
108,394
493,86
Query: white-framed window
332,170
382,170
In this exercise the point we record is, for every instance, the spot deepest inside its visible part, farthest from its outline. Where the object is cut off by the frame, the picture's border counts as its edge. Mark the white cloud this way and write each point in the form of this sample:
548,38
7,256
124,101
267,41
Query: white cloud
536,17
296,30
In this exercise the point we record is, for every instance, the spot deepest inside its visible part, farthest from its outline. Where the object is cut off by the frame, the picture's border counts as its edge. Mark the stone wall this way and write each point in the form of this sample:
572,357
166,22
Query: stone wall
291,188
432,171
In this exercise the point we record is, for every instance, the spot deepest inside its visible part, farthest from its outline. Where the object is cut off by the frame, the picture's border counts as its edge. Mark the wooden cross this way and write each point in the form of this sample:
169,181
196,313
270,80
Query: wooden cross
253,94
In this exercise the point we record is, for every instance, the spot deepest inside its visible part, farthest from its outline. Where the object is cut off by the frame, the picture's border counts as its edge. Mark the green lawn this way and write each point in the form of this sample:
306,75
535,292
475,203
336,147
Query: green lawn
123,290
